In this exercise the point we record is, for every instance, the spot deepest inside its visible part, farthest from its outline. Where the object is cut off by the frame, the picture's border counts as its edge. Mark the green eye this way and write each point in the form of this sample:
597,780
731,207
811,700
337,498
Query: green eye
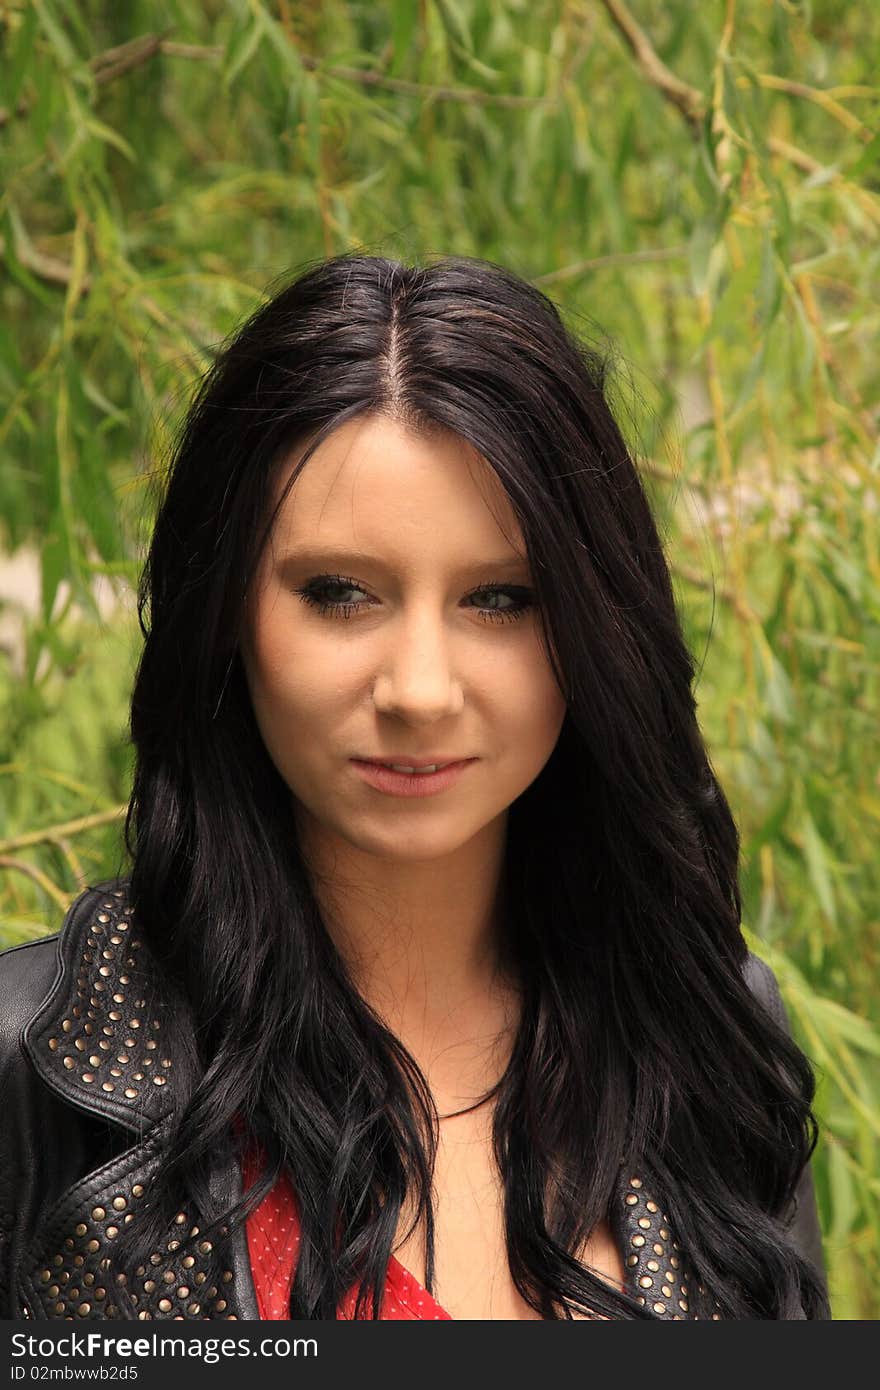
521,600
326,593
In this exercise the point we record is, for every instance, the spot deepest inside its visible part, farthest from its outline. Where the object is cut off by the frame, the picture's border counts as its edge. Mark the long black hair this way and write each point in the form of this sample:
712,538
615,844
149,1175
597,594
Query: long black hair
639,1040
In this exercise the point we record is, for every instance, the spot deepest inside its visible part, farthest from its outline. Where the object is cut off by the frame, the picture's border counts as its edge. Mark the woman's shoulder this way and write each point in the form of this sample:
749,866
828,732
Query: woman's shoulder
31,971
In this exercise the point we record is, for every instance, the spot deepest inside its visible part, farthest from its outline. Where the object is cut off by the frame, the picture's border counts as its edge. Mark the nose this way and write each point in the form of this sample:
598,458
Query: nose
416,680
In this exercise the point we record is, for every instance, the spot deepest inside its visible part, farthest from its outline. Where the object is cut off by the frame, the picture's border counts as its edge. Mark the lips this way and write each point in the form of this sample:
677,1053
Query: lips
410,784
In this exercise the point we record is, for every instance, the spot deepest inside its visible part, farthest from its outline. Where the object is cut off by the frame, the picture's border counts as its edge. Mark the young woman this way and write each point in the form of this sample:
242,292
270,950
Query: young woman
425,995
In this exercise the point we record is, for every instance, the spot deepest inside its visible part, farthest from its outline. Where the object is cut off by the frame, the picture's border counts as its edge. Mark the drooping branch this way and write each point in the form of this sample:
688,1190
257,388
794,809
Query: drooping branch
63,831
116,62
689,100
693,105
37,876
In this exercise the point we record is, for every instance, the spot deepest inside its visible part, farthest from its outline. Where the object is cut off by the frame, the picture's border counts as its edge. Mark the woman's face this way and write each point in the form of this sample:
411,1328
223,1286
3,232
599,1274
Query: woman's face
428,645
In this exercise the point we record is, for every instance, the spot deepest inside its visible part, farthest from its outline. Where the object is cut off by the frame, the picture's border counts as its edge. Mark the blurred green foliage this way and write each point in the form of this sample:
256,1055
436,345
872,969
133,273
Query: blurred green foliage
701,180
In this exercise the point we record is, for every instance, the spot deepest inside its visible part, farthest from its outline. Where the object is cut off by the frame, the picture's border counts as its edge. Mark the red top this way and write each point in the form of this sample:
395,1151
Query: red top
273,1243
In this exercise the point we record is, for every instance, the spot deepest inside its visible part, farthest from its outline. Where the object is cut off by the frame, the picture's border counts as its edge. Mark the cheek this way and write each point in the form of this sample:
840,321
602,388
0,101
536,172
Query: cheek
284,666
530,697
284,683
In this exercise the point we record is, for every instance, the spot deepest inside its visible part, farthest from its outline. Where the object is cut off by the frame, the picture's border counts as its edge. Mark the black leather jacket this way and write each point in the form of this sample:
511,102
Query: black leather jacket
89,1077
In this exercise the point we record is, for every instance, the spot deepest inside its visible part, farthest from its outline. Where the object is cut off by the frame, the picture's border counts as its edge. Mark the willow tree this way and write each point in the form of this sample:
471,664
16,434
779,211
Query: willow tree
697,187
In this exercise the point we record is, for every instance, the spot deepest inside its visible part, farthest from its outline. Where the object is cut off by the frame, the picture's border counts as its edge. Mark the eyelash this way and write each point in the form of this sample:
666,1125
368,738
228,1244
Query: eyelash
308,593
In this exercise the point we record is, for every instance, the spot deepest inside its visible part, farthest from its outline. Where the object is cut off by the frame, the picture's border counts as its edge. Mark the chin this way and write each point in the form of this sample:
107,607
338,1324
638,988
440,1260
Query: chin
402,846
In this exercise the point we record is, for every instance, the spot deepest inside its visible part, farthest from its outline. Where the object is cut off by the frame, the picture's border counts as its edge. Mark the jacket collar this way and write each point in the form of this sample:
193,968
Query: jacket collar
101,1037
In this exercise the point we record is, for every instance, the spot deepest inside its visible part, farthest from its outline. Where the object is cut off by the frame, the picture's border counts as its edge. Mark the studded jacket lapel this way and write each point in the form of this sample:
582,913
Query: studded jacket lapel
100,1041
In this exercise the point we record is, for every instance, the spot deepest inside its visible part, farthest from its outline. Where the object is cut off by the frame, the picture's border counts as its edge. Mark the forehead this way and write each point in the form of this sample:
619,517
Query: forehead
375,484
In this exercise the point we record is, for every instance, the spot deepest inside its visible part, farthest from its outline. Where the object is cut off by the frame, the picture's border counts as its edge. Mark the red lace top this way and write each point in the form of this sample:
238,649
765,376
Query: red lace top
273,1243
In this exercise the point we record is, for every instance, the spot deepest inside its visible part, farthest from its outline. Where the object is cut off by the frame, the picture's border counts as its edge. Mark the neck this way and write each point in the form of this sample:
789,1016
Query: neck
421,941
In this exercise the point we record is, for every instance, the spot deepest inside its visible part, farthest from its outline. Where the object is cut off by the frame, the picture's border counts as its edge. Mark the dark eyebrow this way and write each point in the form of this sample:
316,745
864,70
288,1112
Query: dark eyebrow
354,559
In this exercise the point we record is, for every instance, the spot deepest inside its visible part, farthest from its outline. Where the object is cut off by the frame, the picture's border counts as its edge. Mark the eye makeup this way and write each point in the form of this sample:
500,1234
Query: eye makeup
316,590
